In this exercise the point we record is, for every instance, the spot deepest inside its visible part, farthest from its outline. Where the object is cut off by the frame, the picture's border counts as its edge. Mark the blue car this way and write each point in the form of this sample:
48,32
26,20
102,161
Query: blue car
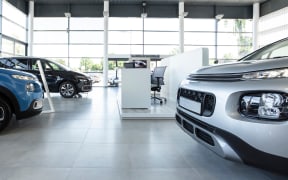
21,94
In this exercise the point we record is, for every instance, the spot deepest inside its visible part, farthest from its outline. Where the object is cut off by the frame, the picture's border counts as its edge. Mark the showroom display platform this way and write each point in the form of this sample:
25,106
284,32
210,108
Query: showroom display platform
156,111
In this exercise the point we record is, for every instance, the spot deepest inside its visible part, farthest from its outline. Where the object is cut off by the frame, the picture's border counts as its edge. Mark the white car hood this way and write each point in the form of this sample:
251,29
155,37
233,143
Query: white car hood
244,66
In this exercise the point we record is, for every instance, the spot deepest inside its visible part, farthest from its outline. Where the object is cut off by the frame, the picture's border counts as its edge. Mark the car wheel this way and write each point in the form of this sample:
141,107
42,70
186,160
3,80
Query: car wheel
67,89
5,114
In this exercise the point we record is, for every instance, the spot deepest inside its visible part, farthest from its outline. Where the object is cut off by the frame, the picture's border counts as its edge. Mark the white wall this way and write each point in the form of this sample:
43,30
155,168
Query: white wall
179,67
135,88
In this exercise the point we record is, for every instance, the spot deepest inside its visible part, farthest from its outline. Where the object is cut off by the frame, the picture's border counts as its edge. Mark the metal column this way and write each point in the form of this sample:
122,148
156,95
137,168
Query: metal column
68,15
181,27
105,60
30,27
256,14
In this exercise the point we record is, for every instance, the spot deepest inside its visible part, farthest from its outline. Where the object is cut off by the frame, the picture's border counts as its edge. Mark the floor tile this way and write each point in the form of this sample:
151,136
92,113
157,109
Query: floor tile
103,156
156,156
99,174
57,155
167,174
38,173
85,138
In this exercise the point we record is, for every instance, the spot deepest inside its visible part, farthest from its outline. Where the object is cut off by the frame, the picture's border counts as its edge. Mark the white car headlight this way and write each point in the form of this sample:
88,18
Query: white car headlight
30,87
23,77
269,105
82,78
270,74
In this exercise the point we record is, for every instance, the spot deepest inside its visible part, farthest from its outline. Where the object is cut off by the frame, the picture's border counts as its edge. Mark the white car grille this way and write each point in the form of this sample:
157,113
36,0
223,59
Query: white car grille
216,77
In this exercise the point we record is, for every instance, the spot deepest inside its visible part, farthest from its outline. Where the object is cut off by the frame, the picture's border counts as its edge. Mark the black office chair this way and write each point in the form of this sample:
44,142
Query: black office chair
157,80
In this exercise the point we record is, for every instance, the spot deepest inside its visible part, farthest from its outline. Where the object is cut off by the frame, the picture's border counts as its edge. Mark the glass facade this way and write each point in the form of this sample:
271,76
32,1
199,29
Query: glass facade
73,40
69,41
273,27
14,31
157,36
234,37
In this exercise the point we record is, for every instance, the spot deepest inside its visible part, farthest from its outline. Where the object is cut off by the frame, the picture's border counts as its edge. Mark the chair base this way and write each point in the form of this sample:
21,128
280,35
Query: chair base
160,99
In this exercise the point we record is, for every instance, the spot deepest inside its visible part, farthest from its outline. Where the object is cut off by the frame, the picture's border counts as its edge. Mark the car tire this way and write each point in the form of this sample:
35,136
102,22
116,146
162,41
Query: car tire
67,89
5,114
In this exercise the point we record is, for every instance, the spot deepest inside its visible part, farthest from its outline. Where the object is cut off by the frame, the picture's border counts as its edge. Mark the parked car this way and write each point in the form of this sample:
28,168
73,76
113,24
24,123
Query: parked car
240,110
59,78
95,76
20,94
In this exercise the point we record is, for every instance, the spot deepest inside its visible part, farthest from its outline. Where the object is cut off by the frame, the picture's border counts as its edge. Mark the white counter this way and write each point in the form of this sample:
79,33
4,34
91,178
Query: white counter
135,88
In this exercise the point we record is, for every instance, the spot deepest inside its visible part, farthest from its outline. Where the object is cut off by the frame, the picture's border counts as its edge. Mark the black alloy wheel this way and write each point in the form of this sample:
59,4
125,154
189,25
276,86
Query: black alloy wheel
67,89
5,114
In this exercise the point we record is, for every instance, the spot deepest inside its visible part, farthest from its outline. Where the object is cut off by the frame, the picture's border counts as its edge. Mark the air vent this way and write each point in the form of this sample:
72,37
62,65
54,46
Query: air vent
178,119
204,136
216,77
208,105
188,127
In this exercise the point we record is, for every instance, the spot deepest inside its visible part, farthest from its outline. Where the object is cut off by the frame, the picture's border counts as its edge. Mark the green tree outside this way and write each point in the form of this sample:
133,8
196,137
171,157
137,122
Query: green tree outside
86,64
244,42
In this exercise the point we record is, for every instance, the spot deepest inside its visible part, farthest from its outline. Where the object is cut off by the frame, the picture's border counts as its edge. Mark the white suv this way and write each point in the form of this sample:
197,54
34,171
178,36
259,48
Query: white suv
240,110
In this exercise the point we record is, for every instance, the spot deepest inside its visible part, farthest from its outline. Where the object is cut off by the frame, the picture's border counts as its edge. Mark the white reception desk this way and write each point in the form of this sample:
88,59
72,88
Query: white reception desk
135,88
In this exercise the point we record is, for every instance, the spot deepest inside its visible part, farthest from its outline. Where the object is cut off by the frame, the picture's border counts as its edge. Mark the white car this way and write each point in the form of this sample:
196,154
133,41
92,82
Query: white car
240,110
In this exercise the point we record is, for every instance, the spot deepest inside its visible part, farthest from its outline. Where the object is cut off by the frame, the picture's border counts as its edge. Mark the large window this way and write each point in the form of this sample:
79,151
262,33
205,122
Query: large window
273,27
46,24
161,36
234,37
143,35
14,30
84,40
149,36
125,36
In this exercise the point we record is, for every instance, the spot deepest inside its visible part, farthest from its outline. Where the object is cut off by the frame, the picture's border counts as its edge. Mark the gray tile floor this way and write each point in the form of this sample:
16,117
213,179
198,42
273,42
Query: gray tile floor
86,139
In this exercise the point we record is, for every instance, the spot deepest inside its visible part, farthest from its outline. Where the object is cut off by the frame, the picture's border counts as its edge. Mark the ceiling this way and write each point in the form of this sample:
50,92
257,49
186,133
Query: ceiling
203,2
242,9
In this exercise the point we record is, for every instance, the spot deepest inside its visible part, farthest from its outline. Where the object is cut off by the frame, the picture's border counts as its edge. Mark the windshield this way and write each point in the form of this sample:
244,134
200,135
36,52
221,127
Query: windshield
275,50
57,66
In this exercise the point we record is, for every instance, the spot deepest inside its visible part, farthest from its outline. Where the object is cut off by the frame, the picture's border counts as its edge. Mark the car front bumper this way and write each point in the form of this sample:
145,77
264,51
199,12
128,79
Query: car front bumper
84,86
228,133
35,108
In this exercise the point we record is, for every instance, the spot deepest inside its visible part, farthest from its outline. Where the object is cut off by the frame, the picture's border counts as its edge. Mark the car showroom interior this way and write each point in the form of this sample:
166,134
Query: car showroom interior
143,89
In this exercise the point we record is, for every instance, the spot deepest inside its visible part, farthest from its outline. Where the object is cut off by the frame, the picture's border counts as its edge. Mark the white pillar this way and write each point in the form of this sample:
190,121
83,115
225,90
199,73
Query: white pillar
105,60
256,14
30,27
181,27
